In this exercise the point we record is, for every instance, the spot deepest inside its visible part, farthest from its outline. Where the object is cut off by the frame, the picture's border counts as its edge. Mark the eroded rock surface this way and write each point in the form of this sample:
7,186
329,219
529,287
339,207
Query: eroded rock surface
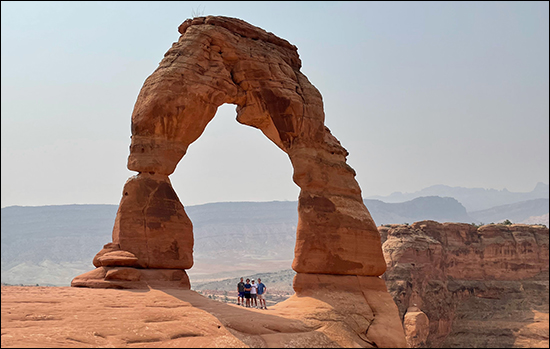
152,235
362,306
479,286
221,60
65,317
417,327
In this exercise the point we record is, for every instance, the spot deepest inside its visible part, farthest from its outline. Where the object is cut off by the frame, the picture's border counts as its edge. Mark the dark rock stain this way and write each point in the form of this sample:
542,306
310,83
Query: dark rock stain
318,203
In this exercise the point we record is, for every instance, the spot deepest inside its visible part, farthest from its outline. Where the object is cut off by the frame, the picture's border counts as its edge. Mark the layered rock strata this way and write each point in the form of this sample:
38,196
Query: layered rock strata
357,304
477,286
221,60
152,239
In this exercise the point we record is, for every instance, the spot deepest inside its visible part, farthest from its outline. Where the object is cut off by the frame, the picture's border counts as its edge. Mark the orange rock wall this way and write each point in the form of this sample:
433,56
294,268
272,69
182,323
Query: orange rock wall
440,268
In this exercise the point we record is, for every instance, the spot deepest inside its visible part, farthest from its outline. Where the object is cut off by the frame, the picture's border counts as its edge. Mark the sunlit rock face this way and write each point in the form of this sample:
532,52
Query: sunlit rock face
417,327
152,239
221,60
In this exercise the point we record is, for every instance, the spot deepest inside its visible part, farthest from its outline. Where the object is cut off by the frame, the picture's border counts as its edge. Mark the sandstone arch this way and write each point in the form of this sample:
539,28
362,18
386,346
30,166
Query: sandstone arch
221,60
338,254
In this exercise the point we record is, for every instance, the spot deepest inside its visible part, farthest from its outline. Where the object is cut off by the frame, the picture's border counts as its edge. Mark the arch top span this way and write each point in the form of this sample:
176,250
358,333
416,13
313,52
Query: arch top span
219,60
244,29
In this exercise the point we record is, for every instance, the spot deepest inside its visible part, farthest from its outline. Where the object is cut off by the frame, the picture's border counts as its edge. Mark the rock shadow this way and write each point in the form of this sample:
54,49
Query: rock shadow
255,327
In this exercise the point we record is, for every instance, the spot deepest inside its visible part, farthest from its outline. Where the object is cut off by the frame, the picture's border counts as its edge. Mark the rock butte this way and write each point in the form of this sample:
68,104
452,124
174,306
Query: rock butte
221,60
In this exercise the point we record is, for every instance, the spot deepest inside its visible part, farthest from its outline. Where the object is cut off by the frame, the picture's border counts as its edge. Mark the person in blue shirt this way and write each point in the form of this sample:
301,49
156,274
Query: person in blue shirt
261,292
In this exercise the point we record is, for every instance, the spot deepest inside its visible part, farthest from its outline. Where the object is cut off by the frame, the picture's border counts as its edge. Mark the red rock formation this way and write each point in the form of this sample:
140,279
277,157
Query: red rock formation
454,272
221,60
362,303
151,233
417,327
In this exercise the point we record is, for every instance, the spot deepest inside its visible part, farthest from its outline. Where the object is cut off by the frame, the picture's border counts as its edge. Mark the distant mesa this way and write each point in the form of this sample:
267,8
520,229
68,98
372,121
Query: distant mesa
473,199
220,60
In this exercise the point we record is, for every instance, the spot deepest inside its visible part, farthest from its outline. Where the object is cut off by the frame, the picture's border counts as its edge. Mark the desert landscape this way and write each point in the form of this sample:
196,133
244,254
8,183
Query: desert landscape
455,285
335,278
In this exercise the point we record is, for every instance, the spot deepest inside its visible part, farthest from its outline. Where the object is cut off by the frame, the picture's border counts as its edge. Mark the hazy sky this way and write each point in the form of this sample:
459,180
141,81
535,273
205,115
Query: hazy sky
419,93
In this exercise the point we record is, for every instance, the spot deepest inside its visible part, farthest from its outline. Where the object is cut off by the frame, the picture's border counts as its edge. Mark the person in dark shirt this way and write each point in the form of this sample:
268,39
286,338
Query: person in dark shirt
240,290
247,288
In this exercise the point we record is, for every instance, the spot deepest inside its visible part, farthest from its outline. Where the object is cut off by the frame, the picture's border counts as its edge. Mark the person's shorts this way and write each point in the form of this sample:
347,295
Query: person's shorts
261,296
247,295
241,294
253,295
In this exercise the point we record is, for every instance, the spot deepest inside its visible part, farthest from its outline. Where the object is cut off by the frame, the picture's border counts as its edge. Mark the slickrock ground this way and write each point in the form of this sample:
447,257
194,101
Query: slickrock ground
458,285
85,317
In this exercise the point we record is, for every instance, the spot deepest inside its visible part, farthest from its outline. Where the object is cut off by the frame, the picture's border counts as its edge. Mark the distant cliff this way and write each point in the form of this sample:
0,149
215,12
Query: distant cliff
458,285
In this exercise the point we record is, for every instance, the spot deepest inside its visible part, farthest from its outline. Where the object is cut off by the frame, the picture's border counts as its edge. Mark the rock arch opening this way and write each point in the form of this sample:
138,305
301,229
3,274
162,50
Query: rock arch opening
233,162
220,60
237,189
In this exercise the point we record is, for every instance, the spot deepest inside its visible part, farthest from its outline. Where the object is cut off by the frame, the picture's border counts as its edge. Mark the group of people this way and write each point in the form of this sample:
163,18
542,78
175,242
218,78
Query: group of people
251,293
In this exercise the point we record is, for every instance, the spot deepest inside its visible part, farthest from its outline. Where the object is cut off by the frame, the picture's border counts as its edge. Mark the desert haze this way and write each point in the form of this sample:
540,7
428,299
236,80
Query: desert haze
49,245
440,267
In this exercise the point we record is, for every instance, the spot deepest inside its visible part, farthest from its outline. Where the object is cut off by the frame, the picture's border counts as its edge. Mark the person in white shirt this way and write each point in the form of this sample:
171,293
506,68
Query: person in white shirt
253,294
